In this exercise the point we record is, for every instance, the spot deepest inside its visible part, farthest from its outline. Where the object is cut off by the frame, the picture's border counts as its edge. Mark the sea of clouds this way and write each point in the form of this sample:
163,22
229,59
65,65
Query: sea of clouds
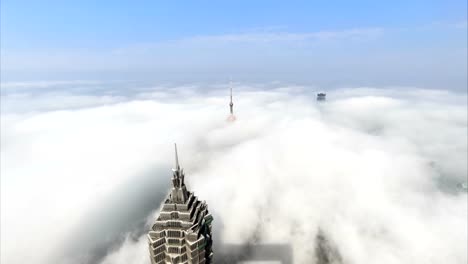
376,171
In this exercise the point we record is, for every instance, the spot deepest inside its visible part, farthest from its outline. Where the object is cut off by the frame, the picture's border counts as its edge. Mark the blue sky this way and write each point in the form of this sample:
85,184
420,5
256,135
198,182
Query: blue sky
417,43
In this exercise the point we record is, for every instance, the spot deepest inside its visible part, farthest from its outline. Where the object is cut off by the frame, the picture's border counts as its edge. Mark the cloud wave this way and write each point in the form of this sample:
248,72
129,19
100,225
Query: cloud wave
375,170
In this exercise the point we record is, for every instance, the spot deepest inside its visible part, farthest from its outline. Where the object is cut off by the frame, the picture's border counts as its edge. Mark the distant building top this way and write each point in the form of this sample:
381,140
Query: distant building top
321,96
231,117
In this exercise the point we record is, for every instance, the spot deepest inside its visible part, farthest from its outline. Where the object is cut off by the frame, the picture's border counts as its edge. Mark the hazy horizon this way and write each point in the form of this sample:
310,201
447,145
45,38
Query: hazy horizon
332,44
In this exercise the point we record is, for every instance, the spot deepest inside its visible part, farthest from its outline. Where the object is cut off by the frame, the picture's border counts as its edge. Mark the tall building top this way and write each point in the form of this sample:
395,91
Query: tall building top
231,116
179,192
321,96
231,105
182,230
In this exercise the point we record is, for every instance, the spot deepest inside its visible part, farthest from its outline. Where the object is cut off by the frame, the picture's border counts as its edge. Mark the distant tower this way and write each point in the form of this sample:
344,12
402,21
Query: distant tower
231,117
321,97
231,104
182,231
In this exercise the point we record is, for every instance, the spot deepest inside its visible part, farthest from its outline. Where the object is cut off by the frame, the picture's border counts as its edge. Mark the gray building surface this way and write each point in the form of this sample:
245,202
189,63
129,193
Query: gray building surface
182,231
321,96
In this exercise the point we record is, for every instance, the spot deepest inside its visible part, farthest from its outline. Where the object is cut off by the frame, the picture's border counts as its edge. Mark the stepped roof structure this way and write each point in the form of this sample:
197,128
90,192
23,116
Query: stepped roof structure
182,231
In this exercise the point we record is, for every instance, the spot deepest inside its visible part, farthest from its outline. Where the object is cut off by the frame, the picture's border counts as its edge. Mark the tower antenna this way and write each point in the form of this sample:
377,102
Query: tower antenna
231,104
176,158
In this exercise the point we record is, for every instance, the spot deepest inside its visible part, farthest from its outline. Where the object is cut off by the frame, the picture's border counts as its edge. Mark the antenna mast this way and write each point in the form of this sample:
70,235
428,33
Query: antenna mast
176,158
231,104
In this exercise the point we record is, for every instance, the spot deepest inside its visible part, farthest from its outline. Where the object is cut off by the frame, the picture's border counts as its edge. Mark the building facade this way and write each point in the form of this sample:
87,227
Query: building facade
182,231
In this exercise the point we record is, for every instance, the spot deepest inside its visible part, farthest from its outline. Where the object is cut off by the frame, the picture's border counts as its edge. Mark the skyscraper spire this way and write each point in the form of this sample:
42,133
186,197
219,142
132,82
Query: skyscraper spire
182,231
179,190
177,167
231,117
231,104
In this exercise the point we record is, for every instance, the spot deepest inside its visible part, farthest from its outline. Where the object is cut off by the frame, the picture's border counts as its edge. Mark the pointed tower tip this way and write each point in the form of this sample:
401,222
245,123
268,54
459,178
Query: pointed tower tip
231,104
176,157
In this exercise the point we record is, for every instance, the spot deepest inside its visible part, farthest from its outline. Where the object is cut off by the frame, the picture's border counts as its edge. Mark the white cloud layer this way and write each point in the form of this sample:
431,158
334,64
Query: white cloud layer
376,170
